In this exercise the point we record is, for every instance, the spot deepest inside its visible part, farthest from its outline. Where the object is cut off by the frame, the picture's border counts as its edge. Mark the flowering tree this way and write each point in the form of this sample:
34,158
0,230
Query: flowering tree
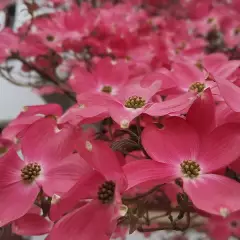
152,138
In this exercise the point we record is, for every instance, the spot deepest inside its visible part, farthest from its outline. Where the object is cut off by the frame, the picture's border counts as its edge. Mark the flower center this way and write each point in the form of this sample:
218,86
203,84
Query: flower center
107,89
135,102
30,172
210,77
237,30
199,65
210,20
50,38
106,192
190,168
197,87
234,223
3,150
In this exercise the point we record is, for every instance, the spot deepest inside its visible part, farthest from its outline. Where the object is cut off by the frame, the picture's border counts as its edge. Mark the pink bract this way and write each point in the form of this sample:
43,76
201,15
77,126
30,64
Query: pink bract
103,215
49,155
32,224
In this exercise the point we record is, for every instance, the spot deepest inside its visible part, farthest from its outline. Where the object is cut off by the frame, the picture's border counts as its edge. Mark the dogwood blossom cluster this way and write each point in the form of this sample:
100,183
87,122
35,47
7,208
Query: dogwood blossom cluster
151,140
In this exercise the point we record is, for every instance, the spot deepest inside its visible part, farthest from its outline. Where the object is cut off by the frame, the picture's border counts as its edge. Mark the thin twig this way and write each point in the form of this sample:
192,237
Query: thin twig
160,216
188,222
45,75
141,229
154,189
11,80
131,133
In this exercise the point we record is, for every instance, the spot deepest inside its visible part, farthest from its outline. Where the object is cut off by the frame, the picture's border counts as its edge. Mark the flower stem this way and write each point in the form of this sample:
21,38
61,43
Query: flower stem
154,189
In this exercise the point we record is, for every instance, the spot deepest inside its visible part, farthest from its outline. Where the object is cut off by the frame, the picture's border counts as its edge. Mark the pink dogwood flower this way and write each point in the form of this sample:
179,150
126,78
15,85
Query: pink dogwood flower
106,79
187,84
178,151
48,165
220,71
120,19
62,26
111,90
222,228
231,29
103,183
132,101
9,43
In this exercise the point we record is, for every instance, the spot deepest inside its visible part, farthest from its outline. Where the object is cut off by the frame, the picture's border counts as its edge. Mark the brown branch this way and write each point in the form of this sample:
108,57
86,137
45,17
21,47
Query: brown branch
10,79
45,75
141,229
160,216
180,227
131,133
188,222
152,190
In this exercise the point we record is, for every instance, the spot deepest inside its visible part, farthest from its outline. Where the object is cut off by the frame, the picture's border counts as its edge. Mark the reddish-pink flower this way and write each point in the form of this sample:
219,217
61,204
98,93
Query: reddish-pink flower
222,228
220,71
178,151
182,86
103,183
62,26
108,78
132,101
9,43
47,165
